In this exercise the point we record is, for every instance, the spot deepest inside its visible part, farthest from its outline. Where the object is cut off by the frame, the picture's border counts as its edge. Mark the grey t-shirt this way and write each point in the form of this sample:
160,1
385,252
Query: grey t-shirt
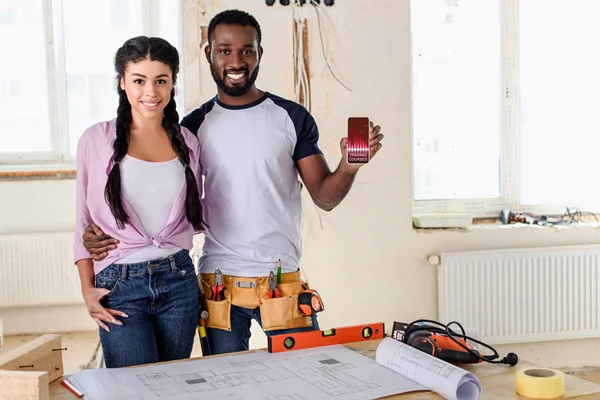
252,197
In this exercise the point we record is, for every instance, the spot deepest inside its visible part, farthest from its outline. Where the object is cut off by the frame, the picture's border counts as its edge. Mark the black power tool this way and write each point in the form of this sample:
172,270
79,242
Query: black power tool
440,341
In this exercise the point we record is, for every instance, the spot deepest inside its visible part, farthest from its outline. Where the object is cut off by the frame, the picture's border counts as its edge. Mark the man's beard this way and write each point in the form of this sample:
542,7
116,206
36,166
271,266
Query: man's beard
234,91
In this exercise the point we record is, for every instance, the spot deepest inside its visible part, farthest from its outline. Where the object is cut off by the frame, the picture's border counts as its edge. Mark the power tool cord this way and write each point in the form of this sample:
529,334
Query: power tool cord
511,358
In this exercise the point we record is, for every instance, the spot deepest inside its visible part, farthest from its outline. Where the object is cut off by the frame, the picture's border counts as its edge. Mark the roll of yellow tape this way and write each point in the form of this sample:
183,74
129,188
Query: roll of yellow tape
540,383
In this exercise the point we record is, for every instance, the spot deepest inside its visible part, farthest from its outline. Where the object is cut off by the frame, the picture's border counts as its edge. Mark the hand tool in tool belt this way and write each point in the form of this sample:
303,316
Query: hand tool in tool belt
278,272
273,289
202,332
218,290
202,323
309,302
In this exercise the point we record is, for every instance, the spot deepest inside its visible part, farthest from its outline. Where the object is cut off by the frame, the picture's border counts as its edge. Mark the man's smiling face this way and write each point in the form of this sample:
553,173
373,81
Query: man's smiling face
234,58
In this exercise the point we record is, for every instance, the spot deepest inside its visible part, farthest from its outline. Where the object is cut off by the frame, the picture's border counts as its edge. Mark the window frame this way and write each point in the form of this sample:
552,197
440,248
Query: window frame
510,149
59,157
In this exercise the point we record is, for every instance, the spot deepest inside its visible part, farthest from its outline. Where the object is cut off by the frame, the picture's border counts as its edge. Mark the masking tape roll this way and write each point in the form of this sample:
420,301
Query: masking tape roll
540,383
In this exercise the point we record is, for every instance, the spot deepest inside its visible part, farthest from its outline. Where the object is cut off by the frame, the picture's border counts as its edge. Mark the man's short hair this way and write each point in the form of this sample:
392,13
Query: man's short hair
233,17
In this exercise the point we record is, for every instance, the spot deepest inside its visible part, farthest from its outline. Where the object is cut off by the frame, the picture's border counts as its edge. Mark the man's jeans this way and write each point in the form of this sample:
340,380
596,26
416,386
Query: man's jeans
161,298
238,338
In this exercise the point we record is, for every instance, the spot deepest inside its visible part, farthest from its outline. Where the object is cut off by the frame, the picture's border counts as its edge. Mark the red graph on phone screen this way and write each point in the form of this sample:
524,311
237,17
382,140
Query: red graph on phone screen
358,140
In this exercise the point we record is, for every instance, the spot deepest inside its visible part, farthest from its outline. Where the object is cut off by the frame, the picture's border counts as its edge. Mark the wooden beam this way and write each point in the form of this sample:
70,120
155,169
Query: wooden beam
20,385
43,354
41,174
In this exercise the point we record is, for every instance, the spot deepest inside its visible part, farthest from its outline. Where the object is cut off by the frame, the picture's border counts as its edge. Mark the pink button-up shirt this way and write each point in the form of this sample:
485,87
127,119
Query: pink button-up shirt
94,162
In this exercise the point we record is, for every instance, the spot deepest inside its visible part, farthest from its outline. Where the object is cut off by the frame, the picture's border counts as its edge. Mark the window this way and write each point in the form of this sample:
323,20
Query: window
505,105
60,76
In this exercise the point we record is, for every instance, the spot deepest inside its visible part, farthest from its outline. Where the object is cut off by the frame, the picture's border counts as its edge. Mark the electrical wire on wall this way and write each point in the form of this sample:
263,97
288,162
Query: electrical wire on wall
302,91
302,87
324,25
322,17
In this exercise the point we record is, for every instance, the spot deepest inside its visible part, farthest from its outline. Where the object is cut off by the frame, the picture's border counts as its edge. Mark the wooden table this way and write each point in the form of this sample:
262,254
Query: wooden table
498,381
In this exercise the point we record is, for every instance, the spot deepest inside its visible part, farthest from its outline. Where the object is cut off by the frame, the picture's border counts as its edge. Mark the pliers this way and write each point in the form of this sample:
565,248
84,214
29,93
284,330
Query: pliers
218,290
273,290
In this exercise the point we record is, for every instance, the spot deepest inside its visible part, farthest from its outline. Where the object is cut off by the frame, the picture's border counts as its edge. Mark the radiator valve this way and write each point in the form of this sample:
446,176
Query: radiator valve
434,260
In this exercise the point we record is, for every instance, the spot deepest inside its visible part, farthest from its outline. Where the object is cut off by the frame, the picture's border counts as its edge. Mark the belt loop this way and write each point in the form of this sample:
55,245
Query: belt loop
173,264
123,276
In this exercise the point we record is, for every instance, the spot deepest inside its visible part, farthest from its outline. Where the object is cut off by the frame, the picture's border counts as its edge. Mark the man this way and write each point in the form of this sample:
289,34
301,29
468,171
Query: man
253,146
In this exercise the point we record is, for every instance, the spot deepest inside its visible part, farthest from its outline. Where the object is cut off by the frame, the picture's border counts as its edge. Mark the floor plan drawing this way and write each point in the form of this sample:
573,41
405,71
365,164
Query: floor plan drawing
441,369
433,373
324,373
409,364
332,373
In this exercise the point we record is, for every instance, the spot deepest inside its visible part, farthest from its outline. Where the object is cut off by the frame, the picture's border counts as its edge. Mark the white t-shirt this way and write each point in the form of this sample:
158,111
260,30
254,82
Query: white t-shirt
150,188
251,200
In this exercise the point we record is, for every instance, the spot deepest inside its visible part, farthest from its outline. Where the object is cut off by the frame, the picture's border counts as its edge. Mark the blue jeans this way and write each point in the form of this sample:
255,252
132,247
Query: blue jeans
238,338
161,298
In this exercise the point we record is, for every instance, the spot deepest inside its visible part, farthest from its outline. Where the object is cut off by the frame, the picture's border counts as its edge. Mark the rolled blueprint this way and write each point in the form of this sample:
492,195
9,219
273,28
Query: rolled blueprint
447,380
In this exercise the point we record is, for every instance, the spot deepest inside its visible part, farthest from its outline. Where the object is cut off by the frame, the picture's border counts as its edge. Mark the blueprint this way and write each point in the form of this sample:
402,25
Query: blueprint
331,372
438,375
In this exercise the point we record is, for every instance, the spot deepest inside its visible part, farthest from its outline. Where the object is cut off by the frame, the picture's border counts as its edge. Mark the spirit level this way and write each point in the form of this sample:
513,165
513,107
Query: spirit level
316,338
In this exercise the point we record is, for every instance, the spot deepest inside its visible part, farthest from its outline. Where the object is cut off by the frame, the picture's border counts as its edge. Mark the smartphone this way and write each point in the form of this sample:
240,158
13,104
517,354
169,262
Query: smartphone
357,151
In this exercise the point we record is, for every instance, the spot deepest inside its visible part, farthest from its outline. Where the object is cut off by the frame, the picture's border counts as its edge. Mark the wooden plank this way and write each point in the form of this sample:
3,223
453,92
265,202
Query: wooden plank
20,385
497,380
42,354
41,174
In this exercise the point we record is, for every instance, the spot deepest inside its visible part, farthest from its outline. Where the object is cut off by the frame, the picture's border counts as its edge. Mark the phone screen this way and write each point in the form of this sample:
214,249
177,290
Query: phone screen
358,140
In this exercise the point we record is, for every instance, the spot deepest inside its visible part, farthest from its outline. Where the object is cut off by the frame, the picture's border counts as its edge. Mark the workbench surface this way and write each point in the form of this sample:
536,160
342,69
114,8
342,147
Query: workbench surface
498,381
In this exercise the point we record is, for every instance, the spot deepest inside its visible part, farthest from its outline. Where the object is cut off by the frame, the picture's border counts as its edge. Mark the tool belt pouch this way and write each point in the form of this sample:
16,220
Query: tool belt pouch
219,312
244,292
283,312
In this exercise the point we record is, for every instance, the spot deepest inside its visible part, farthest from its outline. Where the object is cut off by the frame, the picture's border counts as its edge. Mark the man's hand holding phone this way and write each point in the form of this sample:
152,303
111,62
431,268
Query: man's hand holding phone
362,142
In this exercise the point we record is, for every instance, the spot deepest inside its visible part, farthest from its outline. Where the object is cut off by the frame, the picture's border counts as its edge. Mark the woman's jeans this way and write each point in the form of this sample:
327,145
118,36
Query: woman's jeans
161,298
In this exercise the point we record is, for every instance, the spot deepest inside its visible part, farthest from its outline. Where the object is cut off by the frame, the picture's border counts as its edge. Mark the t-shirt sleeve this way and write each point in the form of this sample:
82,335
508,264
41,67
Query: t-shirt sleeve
193,120
307,143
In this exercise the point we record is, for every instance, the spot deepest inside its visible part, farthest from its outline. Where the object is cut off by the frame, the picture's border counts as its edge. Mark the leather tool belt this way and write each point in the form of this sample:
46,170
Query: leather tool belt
276,313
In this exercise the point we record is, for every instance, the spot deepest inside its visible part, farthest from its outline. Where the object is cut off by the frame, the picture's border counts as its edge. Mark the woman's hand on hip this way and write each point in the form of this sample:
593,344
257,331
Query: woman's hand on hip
92,297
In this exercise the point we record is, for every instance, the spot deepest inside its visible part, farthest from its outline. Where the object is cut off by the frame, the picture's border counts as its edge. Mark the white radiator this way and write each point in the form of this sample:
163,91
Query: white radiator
523,295
38,269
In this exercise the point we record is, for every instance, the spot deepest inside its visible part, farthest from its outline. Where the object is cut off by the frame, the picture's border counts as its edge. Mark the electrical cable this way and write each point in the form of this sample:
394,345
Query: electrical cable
510,359
298,56
571,215
574,215
317,8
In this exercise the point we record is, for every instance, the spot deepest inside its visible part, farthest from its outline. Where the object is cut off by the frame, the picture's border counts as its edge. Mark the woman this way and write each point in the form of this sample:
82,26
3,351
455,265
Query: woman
138,177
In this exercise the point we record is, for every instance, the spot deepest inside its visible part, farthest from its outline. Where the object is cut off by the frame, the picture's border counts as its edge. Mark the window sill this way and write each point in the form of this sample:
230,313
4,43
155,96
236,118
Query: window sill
490,224
37,172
